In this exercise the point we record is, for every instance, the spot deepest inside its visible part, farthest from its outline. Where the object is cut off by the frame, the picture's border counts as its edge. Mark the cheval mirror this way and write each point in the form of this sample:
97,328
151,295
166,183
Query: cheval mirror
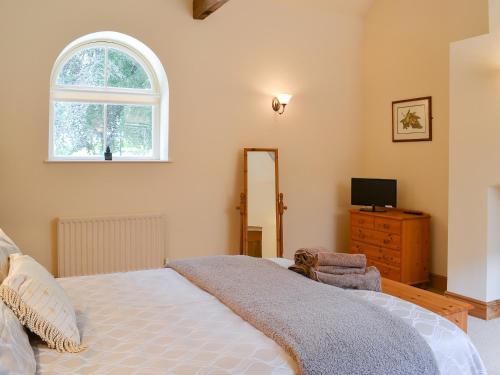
261,205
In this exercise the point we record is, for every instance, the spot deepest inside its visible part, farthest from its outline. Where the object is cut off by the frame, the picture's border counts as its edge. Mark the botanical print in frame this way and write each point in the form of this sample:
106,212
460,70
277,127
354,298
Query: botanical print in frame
412,120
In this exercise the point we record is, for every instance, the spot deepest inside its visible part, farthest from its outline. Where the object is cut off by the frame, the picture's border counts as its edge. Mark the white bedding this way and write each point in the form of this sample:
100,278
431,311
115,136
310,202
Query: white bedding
157,322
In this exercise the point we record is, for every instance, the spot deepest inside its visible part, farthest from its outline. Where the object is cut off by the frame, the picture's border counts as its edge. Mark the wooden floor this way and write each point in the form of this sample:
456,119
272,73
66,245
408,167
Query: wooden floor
449,308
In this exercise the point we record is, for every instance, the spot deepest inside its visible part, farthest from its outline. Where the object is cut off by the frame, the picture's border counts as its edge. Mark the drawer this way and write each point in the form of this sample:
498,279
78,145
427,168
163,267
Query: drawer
387,271
363,221
388,225
378,238
380,254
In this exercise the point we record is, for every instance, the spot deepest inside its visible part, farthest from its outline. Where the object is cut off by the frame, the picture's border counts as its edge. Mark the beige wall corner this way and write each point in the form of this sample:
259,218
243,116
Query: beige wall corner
494,11
474,242
406,55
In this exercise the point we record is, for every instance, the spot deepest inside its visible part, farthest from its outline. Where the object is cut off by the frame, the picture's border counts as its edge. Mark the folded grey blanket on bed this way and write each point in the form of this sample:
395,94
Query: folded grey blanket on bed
315,257
337,270
368,281
325,329
347,271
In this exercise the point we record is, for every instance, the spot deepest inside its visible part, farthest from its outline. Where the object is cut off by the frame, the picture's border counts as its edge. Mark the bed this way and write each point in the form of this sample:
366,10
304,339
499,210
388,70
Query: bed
157,322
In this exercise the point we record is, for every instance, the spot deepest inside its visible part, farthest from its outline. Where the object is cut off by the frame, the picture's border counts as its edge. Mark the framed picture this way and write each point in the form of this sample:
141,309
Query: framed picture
412,120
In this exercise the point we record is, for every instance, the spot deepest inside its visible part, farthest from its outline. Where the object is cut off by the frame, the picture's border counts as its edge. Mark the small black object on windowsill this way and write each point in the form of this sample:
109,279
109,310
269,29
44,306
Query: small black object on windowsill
108,155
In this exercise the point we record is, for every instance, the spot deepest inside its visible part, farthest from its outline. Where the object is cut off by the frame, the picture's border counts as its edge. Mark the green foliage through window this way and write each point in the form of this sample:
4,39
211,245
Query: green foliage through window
79,129
90,68
129,131
103,96
86,68
123,71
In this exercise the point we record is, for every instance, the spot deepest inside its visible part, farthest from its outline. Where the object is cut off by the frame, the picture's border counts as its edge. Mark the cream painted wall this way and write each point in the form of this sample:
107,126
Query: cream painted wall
223,73
474,254
406,55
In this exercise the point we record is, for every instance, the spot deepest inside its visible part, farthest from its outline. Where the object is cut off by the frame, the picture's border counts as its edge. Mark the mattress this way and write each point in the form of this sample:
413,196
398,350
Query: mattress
157,322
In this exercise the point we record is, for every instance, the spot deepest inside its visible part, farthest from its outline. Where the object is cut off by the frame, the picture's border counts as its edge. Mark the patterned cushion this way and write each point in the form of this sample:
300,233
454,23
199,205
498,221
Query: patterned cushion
7,247
41,304
16,355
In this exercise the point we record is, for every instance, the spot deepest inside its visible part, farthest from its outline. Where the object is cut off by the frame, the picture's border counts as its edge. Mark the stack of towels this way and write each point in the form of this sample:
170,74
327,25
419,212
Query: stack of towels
346,271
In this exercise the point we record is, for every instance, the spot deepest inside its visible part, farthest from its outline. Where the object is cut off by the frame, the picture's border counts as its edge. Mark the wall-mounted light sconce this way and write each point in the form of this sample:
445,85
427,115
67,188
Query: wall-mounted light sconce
280,102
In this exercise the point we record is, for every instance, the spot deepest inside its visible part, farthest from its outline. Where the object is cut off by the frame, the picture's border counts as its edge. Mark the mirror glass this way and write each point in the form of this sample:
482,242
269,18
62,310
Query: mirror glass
262,199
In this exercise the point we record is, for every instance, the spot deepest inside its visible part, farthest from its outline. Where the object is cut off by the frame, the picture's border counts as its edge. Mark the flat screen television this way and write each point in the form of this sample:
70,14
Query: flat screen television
374,192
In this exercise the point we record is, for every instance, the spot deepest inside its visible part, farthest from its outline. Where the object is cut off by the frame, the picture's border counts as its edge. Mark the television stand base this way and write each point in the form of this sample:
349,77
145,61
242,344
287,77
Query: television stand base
373,209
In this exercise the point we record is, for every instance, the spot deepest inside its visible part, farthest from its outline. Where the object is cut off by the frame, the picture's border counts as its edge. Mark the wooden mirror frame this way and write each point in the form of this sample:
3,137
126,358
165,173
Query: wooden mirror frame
280,207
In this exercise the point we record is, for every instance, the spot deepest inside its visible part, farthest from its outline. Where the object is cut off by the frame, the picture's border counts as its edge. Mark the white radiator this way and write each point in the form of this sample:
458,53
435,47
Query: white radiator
96,245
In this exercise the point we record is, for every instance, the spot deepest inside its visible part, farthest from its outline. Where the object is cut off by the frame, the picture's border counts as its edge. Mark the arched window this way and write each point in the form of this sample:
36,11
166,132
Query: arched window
108,89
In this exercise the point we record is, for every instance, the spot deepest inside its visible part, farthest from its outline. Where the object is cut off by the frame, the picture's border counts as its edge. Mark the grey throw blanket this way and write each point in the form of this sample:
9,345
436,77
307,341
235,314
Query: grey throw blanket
325,329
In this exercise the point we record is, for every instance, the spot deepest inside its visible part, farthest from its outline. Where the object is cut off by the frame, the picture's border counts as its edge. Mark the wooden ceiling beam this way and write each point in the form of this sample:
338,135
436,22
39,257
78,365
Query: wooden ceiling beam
203,8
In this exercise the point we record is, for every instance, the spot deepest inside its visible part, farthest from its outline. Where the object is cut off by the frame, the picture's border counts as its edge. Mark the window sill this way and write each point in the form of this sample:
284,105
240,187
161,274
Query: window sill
107,161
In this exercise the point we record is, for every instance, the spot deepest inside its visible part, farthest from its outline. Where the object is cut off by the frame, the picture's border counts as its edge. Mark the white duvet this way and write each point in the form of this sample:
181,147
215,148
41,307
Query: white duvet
157,322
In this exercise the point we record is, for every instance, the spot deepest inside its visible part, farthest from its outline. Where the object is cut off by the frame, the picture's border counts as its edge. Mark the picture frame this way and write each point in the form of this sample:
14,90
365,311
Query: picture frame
412,120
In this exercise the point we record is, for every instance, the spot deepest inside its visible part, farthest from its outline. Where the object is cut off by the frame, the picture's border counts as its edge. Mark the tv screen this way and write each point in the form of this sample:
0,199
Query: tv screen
373,192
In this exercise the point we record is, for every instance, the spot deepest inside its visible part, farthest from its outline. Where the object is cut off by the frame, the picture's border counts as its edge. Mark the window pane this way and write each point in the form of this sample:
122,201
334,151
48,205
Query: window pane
126,72
129,130
86,68
78,129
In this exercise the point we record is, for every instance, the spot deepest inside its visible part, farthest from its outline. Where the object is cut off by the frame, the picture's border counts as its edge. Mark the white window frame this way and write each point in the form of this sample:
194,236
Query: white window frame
157,96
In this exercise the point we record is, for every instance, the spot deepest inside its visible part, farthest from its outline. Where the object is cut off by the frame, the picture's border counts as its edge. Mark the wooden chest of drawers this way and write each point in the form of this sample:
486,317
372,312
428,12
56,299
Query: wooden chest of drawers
394,242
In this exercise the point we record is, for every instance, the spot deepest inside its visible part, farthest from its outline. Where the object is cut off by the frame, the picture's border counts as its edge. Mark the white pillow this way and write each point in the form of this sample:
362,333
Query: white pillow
7,247
41,304
16,354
